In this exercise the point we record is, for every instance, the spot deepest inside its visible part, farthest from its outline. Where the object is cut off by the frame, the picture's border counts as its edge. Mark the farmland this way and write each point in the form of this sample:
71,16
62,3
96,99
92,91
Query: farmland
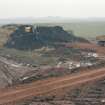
84,29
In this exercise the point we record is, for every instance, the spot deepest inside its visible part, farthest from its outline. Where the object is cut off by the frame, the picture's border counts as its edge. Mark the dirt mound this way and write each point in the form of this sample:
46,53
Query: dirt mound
28,37
11,72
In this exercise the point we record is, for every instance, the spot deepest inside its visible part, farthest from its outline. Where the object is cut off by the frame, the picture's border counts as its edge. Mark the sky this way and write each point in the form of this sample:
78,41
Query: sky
45,8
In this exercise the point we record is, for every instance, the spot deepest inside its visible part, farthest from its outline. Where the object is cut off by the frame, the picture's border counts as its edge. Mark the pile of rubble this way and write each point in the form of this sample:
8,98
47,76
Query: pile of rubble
11,72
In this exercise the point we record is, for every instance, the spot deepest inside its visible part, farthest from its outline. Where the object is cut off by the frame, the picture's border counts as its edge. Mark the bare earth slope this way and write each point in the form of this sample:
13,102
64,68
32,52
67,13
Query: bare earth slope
46,86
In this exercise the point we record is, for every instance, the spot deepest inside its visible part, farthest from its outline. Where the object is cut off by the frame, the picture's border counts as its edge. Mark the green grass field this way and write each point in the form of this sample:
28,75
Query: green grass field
84,29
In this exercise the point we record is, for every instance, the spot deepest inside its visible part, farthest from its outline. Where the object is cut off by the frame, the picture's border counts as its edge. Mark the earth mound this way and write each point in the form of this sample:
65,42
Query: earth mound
27,37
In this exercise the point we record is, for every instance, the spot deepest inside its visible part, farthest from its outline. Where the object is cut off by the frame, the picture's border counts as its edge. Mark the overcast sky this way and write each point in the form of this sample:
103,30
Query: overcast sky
44,8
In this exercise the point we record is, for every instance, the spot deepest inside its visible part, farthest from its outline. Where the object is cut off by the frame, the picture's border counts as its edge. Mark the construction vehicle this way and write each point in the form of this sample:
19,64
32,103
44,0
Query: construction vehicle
101,40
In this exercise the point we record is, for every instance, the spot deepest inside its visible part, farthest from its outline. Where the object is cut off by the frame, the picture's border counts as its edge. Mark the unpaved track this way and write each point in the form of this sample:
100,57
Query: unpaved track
99,49
43,87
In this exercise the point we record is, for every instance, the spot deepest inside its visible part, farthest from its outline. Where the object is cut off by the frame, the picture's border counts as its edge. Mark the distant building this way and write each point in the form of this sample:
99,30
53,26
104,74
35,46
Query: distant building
27,28
101,40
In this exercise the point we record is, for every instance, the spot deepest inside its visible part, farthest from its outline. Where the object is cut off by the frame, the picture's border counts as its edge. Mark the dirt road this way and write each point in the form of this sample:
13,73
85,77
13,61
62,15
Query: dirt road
99,49
43,87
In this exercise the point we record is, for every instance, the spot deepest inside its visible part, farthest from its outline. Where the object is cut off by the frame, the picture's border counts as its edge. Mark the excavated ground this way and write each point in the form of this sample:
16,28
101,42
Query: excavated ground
91,93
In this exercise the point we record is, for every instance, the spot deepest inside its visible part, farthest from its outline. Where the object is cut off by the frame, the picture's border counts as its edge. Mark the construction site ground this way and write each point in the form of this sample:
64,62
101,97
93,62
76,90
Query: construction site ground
84,87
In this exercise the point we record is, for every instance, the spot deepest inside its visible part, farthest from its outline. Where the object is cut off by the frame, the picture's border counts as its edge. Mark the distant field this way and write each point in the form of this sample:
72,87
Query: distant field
84,29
